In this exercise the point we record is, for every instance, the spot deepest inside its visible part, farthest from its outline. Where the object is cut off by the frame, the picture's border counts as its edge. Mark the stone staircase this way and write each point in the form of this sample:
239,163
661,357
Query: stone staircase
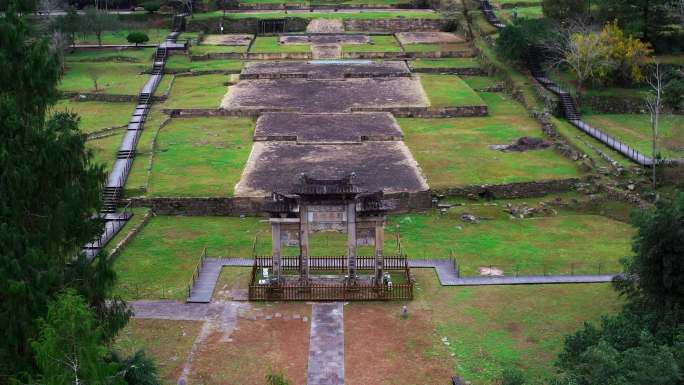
117,177
566,101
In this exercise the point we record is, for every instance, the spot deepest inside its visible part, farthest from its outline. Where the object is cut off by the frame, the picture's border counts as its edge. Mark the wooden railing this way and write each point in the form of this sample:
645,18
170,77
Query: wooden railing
196,273
336,262
331,291
322,292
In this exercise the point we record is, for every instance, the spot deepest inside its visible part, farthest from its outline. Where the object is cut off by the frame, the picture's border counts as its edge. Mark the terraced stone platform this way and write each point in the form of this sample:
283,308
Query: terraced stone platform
324,69
325,39
356,127
276,166
306,95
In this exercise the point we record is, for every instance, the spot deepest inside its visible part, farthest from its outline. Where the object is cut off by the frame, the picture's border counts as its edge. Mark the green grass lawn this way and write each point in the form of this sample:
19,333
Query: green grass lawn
370,2
205,91
499,103
480,82
207,48
529,246
449,91
165,252
506,15
112,78
579,140
138,55
635,131
567,81
455,152
200,156
322,15
426,47
119,36
455,62
137,181
178,63
105,149
97,115
491,328
269,44
379,43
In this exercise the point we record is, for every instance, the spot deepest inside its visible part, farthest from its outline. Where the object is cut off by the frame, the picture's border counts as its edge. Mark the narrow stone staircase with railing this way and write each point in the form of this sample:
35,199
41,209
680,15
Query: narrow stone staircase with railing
567,102
116,180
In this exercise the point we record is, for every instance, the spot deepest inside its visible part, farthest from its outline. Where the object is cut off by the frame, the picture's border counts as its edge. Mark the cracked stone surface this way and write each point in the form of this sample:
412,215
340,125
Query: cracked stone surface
317,70
286,126
326,51
324,39
428,38
275,166
318,95
326,345
325,26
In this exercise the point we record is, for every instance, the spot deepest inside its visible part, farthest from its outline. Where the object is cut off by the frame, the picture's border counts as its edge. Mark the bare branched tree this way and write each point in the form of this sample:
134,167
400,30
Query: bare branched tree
654,104
59,44
49,6
580,48
94,76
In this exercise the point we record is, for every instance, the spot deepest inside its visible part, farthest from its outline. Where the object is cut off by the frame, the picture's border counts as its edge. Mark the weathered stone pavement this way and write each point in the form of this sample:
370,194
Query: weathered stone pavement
326,345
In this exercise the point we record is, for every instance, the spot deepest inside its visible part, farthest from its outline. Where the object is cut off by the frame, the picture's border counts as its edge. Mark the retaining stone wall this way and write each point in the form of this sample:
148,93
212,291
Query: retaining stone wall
235,206
91,96
513,190
406,55
254,56
429,112
247,25
615,104
453,71
395,25
280,7
404,112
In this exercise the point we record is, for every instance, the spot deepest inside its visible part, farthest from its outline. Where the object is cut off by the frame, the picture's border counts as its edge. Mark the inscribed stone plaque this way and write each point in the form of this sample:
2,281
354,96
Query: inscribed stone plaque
327,218
289,237
365,237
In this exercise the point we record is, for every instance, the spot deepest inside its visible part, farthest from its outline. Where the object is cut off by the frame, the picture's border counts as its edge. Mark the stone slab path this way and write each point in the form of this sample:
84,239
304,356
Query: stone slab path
446,273
326,345
204,286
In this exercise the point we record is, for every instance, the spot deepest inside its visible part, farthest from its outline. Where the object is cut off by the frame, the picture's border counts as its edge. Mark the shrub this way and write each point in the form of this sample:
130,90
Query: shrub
152,6
564,9
517,40
137,38
673,95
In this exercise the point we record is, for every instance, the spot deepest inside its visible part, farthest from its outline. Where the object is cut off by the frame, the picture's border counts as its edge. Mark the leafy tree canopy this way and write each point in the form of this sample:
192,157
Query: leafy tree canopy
49,192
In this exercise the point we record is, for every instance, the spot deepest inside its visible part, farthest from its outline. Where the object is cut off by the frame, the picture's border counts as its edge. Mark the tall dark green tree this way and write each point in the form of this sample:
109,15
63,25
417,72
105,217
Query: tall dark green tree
642,18
49,193
644,344
654,276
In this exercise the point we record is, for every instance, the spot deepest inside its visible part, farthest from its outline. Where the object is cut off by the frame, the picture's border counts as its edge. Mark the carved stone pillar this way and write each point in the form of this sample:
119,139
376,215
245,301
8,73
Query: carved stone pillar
351,242
303,243
275,250
379,254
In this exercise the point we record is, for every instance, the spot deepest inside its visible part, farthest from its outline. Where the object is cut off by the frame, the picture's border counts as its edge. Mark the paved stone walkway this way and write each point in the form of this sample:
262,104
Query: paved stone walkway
326,345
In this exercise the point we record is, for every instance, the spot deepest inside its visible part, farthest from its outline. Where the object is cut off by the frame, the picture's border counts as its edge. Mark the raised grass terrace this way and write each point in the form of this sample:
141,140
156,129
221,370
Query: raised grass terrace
112,78
97,116
635,131
161,258
200,157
